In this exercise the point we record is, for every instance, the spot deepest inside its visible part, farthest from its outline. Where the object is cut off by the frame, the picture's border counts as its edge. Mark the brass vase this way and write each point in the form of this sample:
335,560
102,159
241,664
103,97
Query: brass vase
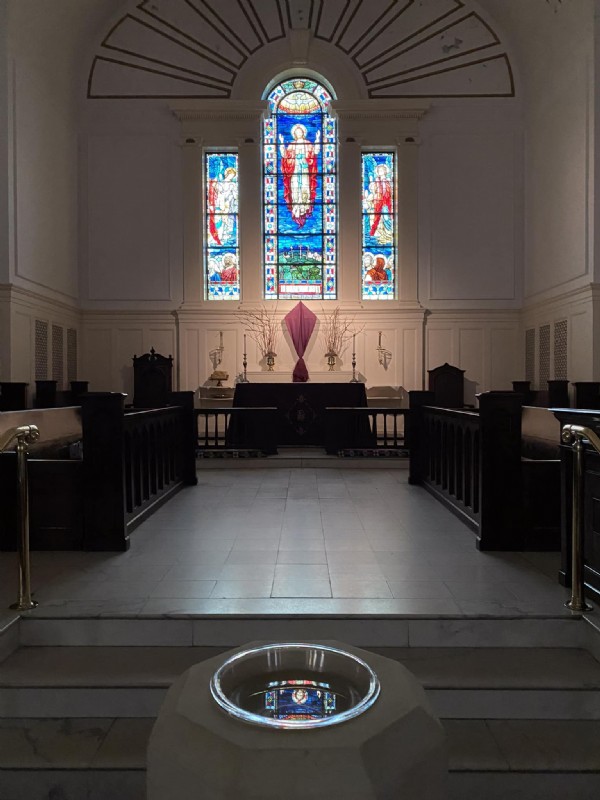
331,359
270,360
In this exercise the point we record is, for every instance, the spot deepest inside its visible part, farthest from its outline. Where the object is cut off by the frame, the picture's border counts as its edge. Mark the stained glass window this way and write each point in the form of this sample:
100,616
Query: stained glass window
221,252
378,226
300,192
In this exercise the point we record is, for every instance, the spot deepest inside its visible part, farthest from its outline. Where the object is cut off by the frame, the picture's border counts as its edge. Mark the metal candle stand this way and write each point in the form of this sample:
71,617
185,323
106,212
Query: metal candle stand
25,435
574,435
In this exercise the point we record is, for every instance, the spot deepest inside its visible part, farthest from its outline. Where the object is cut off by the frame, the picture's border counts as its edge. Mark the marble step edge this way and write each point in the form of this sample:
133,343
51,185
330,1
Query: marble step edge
491,746
232,630
456,669
131,784
140,702
305,462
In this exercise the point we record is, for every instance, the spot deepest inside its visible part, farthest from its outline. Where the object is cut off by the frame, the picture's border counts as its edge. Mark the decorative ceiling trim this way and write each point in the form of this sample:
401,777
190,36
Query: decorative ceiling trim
401,48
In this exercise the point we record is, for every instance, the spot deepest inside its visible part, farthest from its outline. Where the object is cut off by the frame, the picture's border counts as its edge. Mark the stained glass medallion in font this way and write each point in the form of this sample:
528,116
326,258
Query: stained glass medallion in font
300,192
221,256
378,226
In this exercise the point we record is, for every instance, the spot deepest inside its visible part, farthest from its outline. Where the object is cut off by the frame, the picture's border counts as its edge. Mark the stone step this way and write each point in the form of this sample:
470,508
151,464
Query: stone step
541,683
103,759
232,628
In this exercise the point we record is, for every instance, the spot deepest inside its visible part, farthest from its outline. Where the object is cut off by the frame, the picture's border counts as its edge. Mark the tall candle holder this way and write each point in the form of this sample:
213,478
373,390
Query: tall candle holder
354,378
244,378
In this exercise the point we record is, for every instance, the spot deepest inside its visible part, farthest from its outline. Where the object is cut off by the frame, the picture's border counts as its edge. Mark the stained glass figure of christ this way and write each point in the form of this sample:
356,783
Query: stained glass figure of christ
222,246
378,226
300,192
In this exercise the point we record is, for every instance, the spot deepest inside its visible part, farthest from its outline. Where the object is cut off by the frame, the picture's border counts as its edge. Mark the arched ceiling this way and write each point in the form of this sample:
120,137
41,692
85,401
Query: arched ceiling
398,48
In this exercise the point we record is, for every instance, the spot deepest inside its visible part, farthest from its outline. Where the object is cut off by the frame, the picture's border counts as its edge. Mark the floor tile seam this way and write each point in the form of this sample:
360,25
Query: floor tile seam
483,770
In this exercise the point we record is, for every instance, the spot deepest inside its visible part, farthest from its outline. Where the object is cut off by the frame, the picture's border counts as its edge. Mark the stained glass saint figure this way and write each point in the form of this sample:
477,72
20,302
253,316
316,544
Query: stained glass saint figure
299,169
222,246
300,192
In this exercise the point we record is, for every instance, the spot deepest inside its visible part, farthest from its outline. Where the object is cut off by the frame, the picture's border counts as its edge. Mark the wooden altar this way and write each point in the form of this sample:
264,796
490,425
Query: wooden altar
301,418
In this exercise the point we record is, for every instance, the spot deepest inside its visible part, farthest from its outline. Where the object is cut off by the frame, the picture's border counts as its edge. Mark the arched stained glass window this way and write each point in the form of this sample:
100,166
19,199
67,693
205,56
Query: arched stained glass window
300,192
221,253
379,226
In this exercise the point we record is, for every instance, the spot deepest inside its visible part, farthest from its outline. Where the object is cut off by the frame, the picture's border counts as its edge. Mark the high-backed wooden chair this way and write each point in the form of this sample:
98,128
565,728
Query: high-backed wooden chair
448,385
152,379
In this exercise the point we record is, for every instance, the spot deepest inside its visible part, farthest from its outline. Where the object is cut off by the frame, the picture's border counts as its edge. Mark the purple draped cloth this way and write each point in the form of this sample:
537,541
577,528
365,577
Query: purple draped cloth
300,323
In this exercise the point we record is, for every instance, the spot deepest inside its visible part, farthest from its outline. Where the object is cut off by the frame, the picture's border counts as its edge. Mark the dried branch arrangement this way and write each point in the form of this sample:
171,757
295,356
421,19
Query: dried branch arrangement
263,327
336,329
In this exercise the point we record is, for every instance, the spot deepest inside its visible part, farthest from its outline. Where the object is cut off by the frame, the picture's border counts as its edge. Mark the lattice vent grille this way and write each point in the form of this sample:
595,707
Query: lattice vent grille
544,356
58,352
560,350
530,354
71,354
41,350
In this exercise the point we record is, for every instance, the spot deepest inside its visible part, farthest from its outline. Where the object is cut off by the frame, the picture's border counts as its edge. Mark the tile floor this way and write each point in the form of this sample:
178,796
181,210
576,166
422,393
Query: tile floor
256,540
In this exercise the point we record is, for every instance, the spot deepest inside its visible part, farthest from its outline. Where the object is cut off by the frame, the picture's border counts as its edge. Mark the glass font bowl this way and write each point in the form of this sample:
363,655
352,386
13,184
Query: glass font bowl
294,686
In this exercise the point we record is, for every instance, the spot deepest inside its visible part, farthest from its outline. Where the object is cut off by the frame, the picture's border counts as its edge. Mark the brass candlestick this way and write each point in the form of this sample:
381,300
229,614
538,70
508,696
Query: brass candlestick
244,374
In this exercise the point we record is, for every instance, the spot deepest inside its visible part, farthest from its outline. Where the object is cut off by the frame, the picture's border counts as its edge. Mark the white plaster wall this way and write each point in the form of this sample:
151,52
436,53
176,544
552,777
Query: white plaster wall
470,207
131,219
44,58
5,130
558,80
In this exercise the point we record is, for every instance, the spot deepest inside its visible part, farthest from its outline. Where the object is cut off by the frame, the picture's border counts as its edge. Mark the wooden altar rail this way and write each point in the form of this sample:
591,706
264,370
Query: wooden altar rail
131,464
236,428
471,461
366,428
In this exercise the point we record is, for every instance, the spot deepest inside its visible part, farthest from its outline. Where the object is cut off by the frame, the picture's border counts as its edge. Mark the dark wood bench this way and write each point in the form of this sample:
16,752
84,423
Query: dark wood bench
474,463
97,472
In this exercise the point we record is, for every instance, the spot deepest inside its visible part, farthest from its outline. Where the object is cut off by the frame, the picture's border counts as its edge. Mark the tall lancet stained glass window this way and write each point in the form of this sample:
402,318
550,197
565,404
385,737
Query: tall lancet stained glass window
300,192
221,252
378,226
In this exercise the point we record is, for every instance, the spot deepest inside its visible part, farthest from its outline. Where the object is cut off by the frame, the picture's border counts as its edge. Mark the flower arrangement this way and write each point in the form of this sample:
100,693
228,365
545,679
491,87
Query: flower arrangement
335,331
263,327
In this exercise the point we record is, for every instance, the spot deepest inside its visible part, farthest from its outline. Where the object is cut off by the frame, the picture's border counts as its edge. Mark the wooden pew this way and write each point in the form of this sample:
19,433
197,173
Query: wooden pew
132,463
473,462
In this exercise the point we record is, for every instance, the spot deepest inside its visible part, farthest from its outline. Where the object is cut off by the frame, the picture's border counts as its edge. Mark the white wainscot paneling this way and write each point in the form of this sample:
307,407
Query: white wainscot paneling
471,343
190,359
472,217
505,362
411,359
97,359
231,359
579,363
161,339
387,371
128,217
23,351
130,343
439,347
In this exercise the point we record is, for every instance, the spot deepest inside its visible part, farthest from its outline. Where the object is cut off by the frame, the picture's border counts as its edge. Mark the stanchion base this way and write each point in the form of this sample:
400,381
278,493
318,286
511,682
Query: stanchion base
24,606
578,606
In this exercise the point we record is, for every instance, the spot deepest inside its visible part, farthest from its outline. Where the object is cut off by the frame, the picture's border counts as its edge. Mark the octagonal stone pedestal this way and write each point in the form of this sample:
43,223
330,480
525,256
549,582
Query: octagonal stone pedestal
395,749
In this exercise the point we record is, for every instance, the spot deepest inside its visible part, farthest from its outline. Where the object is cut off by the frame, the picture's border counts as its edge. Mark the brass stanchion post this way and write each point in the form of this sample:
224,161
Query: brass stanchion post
574,435
24,436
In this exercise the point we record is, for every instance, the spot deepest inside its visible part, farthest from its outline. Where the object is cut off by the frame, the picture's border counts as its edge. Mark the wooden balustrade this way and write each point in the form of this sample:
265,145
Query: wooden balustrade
236,428
365,428
452,464
133,462
471,461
